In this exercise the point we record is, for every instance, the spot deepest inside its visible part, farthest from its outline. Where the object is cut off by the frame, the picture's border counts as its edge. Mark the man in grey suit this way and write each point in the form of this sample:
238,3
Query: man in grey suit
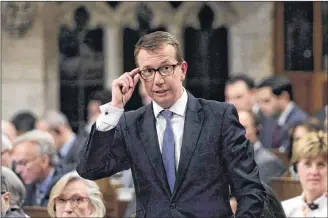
269,165
276,100
184,152
68,143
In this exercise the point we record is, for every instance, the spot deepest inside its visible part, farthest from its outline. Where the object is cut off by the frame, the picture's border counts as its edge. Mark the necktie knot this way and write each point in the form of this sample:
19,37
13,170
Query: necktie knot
167,114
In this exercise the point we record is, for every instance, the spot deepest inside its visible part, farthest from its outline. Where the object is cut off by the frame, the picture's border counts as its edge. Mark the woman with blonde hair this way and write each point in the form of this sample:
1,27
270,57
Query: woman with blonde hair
73,196
310,163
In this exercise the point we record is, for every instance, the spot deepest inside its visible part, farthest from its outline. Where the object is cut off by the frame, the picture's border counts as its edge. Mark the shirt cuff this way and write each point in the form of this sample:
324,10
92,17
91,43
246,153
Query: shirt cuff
109,117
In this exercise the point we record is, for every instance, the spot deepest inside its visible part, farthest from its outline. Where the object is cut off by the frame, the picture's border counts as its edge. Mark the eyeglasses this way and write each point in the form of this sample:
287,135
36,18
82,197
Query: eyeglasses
24,162
76,200
149,73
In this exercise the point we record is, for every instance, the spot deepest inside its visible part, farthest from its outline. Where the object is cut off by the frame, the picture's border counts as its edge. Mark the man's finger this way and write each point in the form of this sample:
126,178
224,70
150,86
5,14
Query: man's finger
134,72
136,79
130,80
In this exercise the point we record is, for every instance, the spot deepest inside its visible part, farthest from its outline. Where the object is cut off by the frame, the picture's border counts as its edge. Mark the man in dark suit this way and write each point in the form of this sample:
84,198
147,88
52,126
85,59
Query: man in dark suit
35,161
68,143
269,165
184,152
275,97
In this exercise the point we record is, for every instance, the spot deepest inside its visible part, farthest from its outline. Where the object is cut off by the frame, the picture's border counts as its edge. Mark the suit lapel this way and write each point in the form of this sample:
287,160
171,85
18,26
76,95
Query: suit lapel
192,129
148,134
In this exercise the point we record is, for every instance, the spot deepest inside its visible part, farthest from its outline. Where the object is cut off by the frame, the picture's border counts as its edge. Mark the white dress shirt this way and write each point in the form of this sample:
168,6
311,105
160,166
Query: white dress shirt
110,116
296,207
283,116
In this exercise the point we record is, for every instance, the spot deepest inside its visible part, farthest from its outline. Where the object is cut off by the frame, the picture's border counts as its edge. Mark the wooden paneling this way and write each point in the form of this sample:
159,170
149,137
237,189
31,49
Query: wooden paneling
36,212
309,88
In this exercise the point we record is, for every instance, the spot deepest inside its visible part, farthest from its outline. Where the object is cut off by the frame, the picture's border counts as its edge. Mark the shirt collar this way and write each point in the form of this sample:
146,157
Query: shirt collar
284,115
179,107
45,184
321,201
67,146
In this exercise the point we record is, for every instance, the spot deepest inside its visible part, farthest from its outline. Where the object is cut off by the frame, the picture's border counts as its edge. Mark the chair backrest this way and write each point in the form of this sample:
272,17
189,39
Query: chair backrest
281,155
36,212
286,188
110,197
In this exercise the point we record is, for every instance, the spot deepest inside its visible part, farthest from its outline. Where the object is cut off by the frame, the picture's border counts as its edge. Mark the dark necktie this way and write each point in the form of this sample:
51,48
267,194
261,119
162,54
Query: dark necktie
276,136
168,153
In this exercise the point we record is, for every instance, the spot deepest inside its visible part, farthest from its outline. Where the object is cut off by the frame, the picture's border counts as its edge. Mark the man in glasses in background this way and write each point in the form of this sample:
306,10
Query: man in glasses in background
35,160
183,152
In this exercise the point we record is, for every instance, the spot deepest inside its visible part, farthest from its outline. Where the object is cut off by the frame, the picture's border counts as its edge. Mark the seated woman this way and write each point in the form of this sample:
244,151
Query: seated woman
296,132
73,196
310,162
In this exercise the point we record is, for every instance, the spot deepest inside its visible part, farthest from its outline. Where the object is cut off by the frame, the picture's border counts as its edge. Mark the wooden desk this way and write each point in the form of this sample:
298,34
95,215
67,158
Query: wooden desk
36,212
286,188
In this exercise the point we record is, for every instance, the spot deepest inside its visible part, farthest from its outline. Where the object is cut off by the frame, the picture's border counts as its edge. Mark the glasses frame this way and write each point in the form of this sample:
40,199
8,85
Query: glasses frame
70,200
158,70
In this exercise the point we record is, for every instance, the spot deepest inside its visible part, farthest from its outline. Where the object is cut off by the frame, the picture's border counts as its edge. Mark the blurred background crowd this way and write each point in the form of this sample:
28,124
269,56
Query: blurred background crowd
268,59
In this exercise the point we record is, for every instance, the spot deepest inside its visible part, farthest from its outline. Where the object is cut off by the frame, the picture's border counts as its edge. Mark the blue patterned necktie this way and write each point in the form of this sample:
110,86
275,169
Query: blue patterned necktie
168,153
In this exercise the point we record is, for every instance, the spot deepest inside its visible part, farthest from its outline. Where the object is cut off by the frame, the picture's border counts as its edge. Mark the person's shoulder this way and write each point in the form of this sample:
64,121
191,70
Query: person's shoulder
212,104
292,201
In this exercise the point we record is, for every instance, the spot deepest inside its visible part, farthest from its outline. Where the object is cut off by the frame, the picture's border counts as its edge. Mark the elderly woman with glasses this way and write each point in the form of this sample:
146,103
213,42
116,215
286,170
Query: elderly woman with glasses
310,162
73,196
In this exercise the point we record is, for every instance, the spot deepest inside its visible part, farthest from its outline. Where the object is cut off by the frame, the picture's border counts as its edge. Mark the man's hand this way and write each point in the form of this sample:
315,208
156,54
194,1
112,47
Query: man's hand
125,85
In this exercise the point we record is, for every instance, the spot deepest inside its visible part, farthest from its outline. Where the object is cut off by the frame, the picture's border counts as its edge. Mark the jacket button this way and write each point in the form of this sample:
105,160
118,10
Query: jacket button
172,206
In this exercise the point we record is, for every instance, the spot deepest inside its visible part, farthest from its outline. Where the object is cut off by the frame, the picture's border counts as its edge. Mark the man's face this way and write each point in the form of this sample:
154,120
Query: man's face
246,120
165,91
239,95
268,102
28,161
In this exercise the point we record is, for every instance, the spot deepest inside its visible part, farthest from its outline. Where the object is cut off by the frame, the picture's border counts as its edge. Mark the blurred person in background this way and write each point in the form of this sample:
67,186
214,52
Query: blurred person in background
73,196
17,193
5,195
35,160
269,165
24,121
241,92
321,115
68,144
6,149
275,97
296,132
8,129
96,99
310,162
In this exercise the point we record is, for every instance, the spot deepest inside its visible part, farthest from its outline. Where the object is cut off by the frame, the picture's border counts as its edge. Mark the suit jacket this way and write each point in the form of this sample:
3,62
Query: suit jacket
70,161
269,165
268,130
214,155
30,199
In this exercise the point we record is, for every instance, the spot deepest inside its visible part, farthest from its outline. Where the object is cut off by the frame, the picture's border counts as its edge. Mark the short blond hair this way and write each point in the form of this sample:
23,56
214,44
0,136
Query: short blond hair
94,194
311,145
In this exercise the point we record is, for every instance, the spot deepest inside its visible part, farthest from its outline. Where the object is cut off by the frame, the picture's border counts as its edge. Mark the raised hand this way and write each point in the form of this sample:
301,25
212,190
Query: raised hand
124,85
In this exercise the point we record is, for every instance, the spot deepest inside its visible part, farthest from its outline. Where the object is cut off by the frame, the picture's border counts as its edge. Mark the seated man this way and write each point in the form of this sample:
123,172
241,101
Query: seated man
35,160
269,165
68,144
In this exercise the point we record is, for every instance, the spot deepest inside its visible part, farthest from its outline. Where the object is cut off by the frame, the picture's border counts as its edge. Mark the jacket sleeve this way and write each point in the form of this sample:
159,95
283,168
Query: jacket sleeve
240,166
103,154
